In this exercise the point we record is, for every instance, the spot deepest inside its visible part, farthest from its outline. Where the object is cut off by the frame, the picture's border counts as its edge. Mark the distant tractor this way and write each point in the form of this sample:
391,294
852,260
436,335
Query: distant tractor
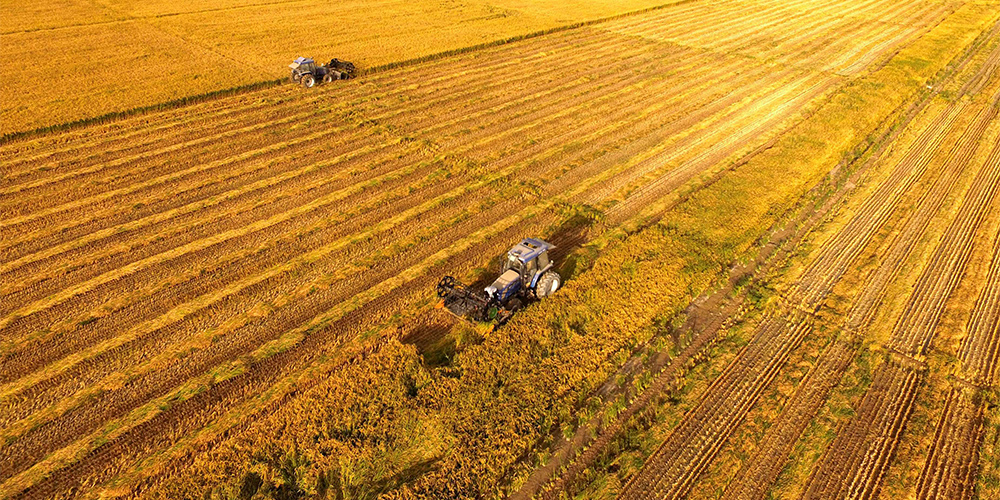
306,72
526,274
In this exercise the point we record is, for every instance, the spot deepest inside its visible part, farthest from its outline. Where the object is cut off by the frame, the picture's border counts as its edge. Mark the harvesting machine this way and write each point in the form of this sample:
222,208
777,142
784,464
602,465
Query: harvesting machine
526,274
306,72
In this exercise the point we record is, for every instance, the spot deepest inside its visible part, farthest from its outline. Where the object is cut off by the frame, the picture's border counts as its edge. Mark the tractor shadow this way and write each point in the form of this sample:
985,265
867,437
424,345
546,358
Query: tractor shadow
568,238
431,335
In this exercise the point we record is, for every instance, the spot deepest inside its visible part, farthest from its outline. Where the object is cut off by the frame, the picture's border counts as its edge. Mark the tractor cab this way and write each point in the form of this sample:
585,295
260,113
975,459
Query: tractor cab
301,66
530,259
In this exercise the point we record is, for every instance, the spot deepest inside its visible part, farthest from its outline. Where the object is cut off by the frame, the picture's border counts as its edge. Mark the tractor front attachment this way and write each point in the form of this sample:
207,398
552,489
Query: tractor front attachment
467,303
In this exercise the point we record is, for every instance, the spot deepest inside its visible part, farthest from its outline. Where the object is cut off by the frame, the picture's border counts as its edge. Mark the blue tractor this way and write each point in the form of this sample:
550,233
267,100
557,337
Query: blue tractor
525,274
307,73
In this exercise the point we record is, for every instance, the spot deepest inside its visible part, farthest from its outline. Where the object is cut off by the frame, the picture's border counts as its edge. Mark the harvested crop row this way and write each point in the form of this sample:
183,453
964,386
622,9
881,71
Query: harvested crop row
951,467
916,326
857,458
950,470
759,473
818,279
674,466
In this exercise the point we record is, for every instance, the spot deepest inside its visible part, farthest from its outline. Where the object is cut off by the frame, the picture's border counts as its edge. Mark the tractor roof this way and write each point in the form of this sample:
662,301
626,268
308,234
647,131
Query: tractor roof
303,60
529,248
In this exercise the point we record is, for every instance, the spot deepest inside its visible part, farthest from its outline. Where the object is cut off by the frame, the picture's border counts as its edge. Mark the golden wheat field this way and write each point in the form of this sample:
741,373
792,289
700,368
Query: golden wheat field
776,223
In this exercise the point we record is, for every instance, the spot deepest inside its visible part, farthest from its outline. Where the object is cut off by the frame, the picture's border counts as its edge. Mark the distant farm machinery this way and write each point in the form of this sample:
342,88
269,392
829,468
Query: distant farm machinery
307,73
526,274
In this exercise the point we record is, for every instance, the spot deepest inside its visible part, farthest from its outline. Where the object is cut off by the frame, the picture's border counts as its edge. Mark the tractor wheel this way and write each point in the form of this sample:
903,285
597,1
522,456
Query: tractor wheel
548,284
327,78
308,81
296,77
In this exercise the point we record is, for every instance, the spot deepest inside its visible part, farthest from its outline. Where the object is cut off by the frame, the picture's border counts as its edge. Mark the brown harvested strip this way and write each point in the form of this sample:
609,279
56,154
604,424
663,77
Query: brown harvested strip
855,462
759,472
749,24
829,266
865,306
879,422
980,348
883,36
672,469
951,469
619,181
